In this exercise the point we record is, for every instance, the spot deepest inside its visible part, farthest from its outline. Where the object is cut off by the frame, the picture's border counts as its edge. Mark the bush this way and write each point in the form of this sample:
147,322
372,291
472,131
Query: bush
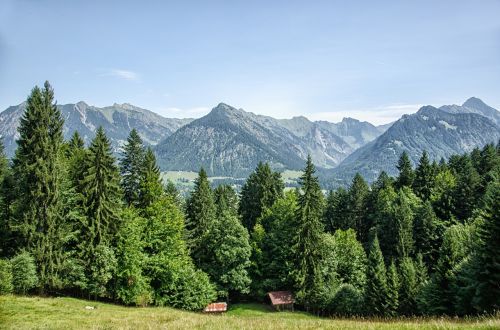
5,277
24,276
347,301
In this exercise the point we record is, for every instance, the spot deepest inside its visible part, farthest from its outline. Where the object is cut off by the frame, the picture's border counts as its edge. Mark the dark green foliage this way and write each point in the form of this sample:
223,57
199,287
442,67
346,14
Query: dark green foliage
150,184
200,214
336,212
7,196
5,277
357,207
131,168
487,276
101,271
38,174
226,199
262,188
393,287
408,287
172,192
465,192
427,231
406,173
101,195
403,221
309,227
24,277
376,292
347,301
424,178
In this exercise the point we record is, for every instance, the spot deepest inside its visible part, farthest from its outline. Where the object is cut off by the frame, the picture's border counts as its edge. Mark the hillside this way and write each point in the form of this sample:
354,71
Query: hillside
440,132
117,120
69,313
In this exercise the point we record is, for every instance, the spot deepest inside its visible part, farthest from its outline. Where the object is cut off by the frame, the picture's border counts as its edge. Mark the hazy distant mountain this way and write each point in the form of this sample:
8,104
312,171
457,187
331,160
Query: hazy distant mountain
230,142
474,105
118,120
441,132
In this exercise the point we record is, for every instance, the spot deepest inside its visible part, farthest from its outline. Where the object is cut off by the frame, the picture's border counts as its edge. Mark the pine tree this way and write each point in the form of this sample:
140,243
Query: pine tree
226,199
424,178
76,142
101,194
38,175
487,278
376,292
357,207
427,231
392,290
309,228
262,188
131,168
336,212
465,194
150,184
7,196
200,214
403,221
408,288
406,173
172,192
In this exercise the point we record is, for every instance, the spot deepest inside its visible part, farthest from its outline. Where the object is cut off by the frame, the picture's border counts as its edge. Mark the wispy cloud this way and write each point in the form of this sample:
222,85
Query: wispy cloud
122,74
375,115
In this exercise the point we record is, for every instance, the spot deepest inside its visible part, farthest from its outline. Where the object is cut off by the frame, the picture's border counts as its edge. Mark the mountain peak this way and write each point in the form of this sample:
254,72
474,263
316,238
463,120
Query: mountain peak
474,102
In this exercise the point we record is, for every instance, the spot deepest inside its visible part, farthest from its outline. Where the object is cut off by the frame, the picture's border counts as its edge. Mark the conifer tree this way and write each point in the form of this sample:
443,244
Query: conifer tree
226,199
172,192
336,212
357,207
150,184
403,221
427,231
262,188
424,178
101,194
309,228
408,287
465,194
200,214
131,167
7,196
376,292
406,173
392,290
487,277
38,174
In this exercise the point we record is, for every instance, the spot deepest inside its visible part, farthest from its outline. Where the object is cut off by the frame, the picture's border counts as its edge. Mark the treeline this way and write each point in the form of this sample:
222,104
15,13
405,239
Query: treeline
76,221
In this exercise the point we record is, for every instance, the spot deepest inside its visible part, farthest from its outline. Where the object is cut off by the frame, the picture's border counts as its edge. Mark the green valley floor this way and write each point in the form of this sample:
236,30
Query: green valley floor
69,313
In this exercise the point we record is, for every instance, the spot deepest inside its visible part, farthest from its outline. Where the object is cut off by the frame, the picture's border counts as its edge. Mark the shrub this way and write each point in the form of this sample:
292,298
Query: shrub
5,277
24,276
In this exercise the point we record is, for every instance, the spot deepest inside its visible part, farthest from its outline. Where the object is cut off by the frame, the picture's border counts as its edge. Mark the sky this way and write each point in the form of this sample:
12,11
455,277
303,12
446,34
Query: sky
370,60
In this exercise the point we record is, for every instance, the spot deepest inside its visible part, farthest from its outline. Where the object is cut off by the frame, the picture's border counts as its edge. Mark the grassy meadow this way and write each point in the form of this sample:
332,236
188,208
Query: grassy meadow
70,313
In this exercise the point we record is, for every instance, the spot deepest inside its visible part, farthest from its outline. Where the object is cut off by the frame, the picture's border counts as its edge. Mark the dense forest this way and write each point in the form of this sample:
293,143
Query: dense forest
76,221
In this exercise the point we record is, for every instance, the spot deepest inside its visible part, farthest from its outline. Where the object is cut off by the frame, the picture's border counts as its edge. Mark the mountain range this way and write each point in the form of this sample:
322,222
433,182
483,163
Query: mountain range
230,142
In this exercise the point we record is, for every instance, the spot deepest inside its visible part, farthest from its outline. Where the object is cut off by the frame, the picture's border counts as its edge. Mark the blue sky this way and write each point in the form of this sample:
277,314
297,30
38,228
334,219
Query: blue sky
371,60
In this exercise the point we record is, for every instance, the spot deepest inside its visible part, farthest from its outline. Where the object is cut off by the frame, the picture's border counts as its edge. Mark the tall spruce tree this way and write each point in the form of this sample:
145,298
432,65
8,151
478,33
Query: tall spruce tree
357,207
392,290
226,199
336,212
487,277
150,184
376,292
101,194
262,188
406,173
309,228
7,196
408,287
131,167
38,174
424,178
427,231
200,214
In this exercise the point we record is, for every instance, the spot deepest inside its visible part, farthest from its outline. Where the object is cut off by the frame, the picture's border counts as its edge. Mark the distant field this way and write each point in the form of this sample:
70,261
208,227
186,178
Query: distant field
69,313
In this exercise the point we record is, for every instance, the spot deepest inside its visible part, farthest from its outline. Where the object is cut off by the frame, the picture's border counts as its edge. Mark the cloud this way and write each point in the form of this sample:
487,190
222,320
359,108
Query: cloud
122,74
375,115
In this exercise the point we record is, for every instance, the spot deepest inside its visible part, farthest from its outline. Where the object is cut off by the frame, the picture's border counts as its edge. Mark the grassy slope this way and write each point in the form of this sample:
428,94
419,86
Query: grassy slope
69,313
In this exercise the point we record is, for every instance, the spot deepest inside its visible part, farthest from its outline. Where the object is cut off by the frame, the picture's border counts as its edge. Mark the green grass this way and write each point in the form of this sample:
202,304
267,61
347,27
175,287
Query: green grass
70,313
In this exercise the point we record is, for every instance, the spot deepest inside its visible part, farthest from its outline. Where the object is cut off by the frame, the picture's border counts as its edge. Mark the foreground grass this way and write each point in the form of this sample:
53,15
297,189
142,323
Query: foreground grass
69,313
